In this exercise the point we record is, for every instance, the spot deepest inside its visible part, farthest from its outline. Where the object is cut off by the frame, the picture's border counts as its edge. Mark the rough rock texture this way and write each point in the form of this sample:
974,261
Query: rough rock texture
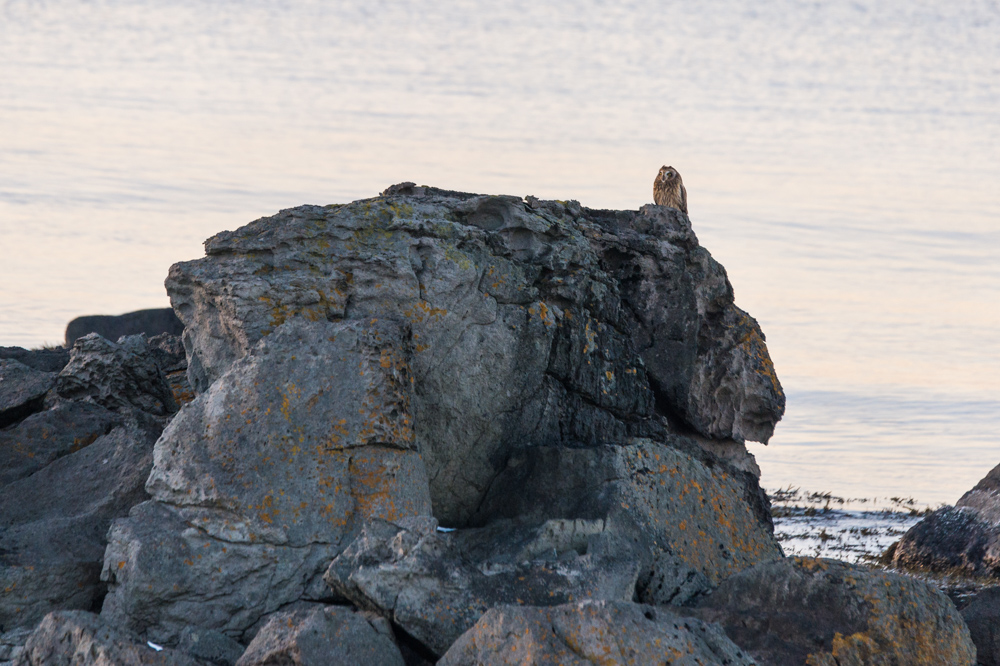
436,585
210,646
963,539
605,633
982,616
148,322
22,391
115,375
262,480
78,638
829,613
686,518
331,636
531,322
46,360
68,471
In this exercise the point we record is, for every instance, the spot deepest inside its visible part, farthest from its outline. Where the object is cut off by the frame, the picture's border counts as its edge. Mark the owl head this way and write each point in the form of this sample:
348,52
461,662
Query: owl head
667,174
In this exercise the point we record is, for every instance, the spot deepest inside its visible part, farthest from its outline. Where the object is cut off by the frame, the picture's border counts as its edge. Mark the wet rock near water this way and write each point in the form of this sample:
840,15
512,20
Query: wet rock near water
963,540
825,612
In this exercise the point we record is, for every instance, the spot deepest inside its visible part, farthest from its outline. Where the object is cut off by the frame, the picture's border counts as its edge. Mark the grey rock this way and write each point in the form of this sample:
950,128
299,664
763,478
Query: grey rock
826,612
118,375
963,539
262,480
53,522
687,518
607,633
45,436
531,322
22,391
46,360
330,636
148,322
436,585
12,644
78,638
210,646
982,616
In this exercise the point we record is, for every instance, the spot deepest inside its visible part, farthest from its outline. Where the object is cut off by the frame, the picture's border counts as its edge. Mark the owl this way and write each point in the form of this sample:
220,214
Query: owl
668,189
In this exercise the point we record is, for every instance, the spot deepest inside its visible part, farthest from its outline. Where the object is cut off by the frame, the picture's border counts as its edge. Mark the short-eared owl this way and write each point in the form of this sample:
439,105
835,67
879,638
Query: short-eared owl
668,189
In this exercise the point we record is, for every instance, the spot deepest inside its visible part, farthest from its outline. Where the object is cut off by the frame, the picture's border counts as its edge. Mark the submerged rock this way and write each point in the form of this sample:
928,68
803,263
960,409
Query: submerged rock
826,612
606,633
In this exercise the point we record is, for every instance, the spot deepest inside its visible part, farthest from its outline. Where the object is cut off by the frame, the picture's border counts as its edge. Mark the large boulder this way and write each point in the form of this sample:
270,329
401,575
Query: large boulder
828,613
531,322
327,636
606,633
78,638
146,322
47,359
962,539
69,470
263,479
688,519
435,586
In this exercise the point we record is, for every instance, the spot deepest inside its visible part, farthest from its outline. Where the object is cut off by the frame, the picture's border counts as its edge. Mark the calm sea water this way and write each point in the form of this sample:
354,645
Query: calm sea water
841,160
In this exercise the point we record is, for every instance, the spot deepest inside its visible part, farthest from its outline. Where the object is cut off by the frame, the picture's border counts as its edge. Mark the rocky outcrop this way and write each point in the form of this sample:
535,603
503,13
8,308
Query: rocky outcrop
607,633
825,612
331,635
142,322
963,539
78,638
66,470
530,322
378,363
263,479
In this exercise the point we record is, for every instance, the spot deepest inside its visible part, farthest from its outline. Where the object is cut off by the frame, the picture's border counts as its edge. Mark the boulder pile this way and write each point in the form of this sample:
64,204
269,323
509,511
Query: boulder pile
444,427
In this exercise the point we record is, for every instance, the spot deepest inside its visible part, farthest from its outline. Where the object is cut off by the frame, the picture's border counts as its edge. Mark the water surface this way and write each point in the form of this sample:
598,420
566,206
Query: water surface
841,160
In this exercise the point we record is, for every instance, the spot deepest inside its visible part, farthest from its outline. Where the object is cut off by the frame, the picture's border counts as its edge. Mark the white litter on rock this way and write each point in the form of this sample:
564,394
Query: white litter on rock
154,645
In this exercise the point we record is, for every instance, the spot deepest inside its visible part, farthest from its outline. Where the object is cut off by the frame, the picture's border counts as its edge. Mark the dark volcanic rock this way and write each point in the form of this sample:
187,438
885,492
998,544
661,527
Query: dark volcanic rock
53,522
77,638
829,613
115,375
982,616
961,539
592,633
530,322
22,391
331,636
436,586
46,360
68,471
148,322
